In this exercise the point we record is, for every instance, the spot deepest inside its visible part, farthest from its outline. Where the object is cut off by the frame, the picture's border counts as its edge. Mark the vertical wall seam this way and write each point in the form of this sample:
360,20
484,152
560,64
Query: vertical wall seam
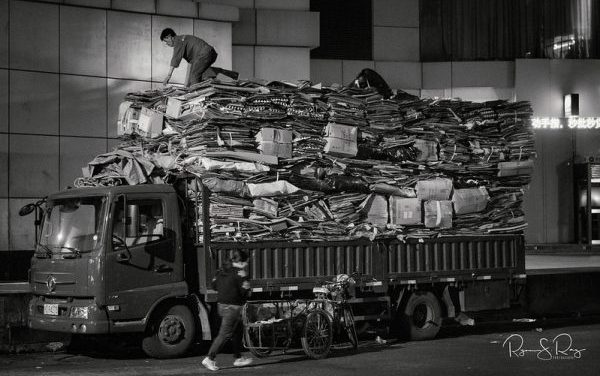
59,97
8,139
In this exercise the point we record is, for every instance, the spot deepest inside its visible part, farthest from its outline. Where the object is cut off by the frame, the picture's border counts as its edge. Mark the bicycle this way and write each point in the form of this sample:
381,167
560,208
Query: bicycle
332,299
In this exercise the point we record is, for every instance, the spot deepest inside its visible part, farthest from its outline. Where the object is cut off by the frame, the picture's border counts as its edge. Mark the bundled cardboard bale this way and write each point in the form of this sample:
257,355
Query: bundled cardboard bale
273,141
438,214
405,211
341,140
427,150
377,209
514,168
434,189
470,200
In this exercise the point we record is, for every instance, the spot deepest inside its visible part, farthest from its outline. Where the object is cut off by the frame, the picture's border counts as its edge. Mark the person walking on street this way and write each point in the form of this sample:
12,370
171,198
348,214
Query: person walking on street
231,283
194,50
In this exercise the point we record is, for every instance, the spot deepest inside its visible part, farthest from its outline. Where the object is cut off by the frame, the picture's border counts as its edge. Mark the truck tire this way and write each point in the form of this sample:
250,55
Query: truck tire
170,334
421,318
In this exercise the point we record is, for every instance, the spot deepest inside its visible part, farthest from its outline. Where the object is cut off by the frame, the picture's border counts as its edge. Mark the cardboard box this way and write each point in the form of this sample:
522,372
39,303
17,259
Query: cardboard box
405,211
428,150
438,214
276,149
470,200
377,210
127,123
282,136
434,189
341,140
150,123
266,205
183,109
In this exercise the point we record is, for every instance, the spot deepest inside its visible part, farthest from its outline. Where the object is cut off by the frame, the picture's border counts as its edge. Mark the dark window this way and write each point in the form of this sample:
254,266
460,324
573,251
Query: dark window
346,29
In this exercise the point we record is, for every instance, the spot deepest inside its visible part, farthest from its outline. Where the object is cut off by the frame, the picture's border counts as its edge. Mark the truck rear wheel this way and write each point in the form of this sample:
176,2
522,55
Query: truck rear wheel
171,334
421,318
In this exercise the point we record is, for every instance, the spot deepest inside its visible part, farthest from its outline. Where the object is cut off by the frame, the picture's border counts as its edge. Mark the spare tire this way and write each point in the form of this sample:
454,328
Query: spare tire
421,318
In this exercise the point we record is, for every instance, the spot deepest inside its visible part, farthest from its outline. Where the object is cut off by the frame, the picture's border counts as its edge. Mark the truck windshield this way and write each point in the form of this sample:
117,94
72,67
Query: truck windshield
73,226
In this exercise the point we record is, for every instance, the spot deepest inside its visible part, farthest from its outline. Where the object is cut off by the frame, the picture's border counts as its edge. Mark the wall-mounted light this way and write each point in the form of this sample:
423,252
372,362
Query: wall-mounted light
571,105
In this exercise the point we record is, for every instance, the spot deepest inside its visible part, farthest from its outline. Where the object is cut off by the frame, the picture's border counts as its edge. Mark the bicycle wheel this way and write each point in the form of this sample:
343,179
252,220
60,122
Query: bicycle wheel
350,328
317,334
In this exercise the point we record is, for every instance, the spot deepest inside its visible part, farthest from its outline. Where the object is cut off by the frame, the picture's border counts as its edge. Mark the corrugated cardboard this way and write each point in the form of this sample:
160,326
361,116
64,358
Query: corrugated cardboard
514,168
438,214
405,211
428,150
377,207
341,140
470,200
434,189
282,136
266,205
183,109
127,123
276,149
150,123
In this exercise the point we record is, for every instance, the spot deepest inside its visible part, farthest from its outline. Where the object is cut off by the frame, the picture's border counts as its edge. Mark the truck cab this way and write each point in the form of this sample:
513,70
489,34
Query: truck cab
107,260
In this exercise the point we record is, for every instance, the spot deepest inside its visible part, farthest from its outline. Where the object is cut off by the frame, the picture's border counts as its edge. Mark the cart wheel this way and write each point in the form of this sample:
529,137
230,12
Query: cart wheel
250,342
317,334
350,328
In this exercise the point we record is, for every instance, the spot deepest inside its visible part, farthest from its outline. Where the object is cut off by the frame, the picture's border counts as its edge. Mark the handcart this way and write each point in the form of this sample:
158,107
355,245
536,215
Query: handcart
313,324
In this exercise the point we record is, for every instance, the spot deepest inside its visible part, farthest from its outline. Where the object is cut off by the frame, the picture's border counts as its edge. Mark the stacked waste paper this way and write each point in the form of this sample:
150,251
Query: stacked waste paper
295,161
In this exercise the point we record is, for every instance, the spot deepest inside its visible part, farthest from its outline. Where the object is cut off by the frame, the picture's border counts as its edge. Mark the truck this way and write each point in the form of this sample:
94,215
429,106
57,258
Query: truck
140,259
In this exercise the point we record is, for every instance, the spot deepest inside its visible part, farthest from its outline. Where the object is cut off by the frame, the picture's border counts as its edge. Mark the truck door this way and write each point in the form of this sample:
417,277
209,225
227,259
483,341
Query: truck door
140,267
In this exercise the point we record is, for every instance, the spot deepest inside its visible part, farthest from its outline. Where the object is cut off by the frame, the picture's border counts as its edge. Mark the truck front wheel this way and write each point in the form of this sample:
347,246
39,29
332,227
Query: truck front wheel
170,334
421,318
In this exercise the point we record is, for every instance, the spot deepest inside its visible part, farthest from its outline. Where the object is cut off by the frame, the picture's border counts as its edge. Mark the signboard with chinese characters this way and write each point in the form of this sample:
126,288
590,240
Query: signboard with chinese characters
562,123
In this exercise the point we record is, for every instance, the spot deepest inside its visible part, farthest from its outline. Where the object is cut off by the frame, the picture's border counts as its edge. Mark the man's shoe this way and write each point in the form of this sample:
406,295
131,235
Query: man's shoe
210,364
242,361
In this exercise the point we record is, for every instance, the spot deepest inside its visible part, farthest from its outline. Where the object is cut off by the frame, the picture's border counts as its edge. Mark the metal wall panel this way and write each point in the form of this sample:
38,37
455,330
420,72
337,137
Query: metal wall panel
282,63
402,13
89,3
243,61
282,4
33,165
183,8
3,100
3,225
483,73
33,102
244,31
287,28
3,165
400,74
4,34
143,6
75,152
82,106
117,89
326,71
34,36
161,53
129,45
22,231
396,44
218,35
83,41
437,75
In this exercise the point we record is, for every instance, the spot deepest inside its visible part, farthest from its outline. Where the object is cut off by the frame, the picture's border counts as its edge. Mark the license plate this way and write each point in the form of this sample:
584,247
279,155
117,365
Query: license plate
51,309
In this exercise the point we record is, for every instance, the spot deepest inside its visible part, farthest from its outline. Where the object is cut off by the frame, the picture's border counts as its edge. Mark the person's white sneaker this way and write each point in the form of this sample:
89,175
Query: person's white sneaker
210,364
242,361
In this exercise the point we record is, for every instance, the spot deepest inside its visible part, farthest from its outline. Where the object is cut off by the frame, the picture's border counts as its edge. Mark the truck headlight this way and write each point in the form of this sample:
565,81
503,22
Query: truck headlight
79,312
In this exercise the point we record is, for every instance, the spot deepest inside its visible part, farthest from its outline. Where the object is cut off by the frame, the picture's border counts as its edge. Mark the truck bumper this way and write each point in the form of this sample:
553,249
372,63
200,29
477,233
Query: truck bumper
60,317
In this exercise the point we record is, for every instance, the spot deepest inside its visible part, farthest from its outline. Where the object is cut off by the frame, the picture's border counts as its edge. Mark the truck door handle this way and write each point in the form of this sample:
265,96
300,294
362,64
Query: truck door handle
123,257
162,268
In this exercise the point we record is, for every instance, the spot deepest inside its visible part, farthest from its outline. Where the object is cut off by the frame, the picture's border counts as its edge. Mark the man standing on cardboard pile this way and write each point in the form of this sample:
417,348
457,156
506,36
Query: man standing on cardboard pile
194,50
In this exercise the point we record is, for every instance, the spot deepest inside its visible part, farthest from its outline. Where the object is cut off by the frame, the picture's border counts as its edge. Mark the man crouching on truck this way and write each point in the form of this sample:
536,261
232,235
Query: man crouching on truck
231,282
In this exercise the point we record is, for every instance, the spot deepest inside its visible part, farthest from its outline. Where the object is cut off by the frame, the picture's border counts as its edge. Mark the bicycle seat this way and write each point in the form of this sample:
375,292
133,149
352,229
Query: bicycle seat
320,290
